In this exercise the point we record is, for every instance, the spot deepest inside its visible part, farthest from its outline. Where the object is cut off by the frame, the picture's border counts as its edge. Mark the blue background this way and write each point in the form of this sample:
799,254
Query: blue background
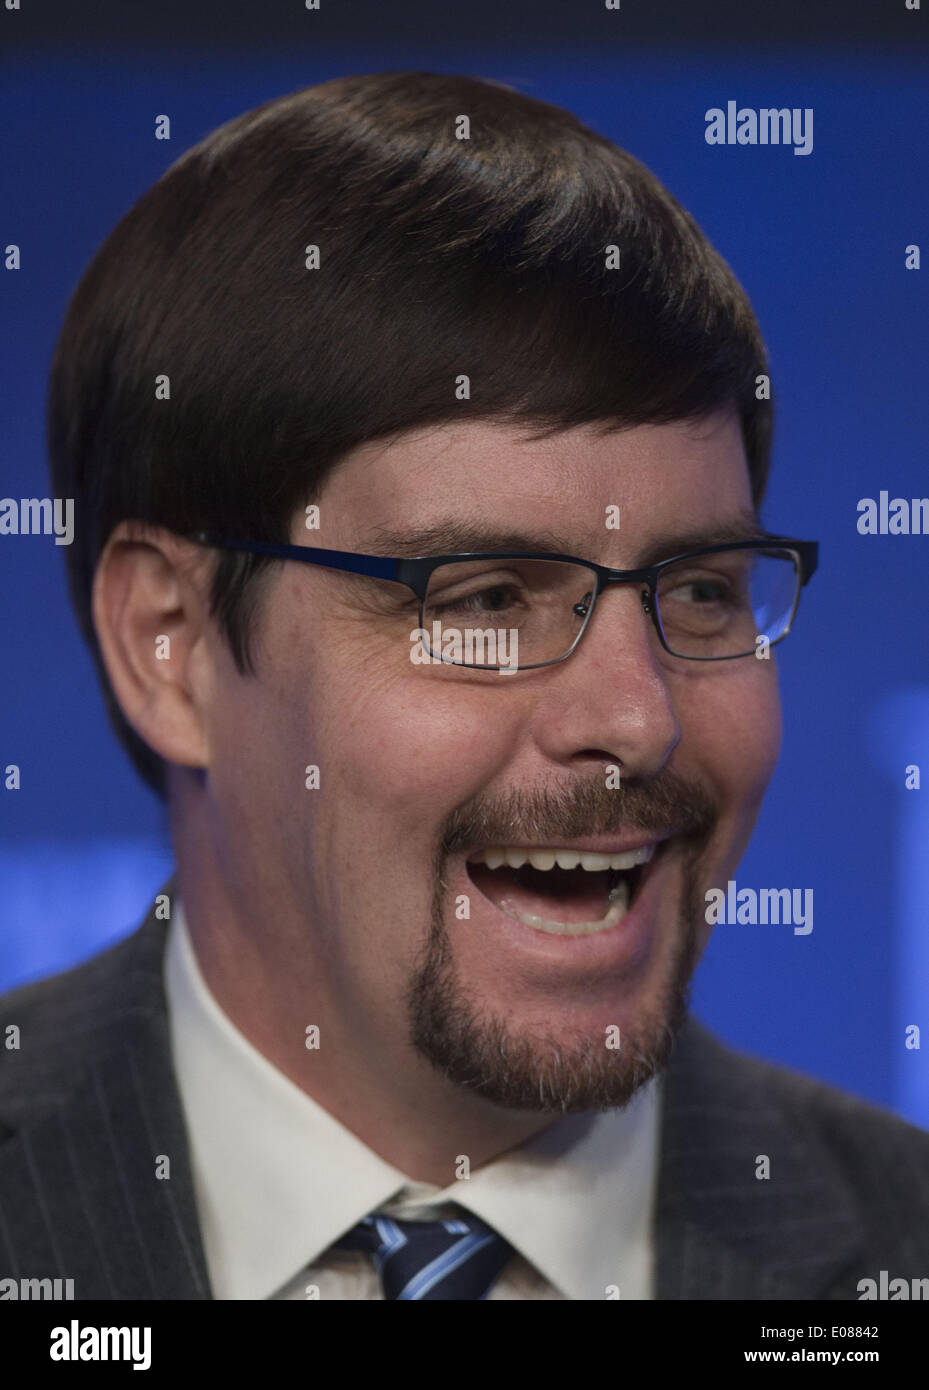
818,242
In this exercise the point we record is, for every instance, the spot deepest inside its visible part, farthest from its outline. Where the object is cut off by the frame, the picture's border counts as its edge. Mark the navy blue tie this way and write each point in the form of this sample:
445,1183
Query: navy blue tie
430,1259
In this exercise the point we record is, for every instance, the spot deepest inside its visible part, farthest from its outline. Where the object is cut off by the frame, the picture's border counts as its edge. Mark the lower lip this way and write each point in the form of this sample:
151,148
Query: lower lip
621,944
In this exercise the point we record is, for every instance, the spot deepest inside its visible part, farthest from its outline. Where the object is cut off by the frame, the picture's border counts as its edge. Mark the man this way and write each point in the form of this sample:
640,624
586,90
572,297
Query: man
385,411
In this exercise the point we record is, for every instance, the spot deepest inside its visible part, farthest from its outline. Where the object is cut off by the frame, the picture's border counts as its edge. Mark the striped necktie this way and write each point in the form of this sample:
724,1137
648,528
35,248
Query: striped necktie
430,1259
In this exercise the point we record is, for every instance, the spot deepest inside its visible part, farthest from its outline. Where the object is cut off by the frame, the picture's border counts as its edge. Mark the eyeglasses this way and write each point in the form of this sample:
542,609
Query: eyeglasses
531,608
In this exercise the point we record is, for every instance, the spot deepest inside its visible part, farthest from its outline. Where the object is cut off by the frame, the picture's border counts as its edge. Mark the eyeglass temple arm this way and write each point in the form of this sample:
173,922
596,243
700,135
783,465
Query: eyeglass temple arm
375,566
414,573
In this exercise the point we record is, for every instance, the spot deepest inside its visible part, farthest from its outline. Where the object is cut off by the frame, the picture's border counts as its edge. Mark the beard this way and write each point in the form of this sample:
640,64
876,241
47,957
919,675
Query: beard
565,1072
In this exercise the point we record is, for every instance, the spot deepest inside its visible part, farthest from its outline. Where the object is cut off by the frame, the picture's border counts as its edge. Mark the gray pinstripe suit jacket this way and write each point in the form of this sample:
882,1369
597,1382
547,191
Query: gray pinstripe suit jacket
90,1099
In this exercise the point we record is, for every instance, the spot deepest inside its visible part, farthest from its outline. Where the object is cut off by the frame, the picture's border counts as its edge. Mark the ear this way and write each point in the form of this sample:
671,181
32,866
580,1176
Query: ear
151,616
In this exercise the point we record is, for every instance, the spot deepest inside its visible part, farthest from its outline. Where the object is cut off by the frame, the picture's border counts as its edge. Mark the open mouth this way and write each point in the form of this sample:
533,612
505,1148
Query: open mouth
565,892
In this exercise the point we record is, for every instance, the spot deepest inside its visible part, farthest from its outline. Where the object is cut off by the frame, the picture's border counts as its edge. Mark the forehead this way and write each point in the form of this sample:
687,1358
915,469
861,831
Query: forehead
487,477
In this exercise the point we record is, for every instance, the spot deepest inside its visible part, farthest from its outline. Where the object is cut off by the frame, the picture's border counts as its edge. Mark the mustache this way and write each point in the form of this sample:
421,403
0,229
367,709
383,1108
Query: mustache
663,804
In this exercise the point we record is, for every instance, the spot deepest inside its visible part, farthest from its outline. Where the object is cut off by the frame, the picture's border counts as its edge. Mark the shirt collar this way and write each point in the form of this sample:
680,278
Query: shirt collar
277,1179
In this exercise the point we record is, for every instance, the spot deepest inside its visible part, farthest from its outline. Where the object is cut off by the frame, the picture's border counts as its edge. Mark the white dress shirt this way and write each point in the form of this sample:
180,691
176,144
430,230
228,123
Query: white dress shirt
277,1179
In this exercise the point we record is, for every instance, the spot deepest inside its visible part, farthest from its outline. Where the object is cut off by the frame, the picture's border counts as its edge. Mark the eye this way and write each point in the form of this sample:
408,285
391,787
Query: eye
479,597
701,590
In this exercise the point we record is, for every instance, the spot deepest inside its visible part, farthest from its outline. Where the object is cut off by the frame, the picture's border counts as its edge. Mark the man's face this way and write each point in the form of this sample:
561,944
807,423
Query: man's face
402,938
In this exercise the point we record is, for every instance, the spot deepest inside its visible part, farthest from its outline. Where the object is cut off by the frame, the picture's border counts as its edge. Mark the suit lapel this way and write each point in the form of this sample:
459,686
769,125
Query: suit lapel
97,1187
721,1231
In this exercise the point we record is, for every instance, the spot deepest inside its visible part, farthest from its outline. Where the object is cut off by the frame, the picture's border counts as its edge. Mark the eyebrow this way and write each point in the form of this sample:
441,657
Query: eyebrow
744,526
458,537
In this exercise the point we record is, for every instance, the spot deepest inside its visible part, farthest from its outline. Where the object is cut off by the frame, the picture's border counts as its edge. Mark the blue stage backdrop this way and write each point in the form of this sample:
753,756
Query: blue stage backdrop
819,241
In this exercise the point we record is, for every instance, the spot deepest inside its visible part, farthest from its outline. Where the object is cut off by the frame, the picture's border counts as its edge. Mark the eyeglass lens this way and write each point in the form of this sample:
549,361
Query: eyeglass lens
517,613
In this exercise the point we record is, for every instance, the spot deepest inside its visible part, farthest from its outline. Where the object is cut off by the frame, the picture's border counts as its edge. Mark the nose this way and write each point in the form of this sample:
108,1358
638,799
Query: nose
612,700
581,609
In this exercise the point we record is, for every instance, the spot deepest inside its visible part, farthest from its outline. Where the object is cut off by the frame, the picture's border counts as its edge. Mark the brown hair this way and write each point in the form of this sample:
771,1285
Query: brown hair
438,255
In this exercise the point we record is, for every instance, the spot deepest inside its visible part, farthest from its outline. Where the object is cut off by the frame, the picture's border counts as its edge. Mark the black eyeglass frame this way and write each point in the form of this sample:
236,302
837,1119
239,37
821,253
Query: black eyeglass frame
415,573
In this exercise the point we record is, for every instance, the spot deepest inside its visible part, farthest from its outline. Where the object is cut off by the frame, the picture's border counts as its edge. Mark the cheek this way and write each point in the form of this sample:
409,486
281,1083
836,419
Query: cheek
737,737
737,734
424,743
403,745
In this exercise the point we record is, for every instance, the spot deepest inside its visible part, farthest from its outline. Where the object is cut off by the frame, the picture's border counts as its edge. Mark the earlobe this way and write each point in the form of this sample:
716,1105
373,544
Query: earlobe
149,619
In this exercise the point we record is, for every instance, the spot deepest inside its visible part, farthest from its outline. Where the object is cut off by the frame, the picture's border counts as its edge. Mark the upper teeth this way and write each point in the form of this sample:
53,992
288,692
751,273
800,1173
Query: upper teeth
564,858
